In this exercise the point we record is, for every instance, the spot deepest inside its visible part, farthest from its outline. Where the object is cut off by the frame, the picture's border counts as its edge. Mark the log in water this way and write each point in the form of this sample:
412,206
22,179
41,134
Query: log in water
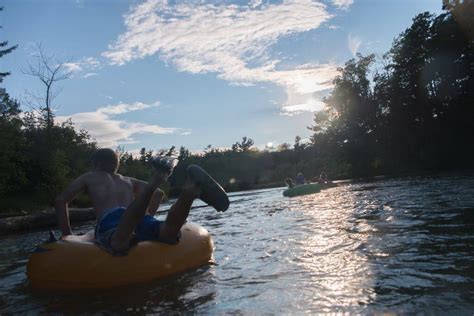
42,219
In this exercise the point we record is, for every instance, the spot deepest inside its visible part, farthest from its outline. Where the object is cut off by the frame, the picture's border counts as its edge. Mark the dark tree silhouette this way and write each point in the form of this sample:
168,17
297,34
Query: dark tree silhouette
49,71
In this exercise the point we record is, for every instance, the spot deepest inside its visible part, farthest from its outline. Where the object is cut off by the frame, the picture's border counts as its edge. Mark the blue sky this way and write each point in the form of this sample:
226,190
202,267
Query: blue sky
161,73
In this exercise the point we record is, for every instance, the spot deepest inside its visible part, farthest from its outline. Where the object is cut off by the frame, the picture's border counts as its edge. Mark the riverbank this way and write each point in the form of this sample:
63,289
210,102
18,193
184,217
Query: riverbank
42,219
24,221
47,219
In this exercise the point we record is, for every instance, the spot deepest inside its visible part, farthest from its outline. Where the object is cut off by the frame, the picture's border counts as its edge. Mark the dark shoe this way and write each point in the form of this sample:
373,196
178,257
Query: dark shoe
211,192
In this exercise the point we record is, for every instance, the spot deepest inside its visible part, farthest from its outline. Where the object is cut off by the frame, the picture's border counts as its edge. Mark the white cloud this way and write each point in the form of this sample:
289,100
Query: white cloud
353,42
225,39
84,64
72,67
134,152
311,105
122,108
109,97
90,74
343,4
110,131
80,3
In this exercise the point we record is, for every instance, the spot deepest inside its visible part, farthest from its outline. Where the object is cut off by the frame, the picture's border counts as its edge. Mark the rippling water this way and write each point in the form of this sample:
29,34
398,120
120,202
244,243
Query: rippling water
402,245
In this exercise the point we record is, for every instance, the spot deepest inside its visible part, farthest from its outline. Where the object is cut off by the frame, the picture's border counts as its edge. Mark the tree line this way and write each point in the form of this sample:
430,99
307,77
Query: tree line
409,110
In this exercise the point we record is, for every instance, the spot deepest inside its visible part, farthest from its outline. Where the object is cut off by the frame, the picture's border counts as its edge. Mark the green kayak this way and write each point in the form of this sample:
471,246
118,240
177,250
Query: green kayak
302,189
328,185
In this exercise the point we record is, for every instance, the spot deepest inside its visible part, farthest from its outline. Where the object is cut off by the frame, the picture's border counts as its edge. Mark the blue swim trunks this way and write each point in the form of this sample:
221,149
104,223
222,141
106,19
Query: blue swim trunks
147,229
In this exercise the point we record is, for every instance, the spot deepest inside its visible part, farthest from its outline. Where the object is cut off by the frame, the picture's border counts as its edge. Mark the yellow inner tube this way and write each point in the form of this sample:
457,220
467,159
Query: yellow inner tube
77,264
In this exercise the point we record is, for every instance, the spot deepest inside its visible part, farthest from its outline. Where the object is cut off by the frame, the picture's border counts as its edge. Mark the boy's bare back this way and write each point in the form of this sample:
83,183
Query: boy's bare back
106,190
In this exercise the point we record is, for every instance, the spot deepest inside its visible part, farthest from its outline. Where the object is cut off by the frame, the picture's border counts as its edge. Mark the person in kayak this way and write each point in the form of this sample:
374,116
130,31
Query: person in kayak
289,182
300,179
323,178
125,206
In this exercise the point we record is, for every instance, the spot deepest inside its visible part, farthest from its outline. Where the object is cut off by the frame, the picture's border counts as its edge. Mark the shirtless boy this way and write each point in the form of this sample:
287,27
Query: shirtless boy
125,206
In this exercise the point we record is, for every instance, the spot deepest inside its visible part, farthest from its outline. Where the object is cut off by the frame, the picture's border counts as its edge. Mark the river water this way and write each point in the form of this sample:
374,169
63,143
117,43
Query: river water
398,245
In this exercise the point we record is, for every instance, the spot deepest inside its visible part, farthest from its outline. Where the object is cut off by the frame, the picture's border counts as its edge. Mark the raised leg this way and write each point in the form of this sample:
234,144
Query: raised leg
178,214
199,185
134,213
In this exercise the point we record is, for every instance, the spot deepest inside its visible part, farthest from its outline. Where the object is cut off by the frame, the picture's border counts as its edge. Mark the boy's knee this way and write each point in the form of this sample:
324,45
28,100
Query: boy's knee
119,244
169,231
190,193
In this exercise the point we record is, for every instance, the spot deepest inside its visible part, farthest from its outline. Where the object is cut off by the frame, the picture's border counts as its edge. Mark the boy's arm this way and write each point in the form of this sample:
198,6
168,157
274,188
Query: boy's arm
157,198
155,202
61,204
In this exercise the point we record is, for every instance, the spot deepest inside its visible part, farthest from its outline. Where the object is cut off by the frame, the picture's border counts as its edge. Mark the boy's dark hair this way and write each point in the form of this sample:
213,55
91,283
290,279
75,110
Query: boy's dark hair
106,159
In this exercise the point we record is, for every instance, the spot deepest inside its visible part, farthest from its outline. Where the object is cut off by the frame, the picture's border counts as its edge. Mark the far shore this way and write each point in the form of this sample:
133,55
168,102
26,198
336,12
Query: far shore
23,221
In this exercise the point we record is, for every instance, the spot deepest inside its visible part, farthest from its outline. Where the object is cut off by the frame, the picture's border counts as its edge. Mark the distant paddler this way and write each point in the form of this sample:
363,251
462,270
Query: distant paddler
325,182
323,178
300,179
289,182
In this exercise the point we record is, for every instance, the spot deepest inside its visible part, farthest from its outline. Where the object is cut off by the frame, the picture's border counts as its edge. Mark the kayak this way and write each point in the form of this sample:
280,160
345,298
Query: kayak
302,189
328,185
78,263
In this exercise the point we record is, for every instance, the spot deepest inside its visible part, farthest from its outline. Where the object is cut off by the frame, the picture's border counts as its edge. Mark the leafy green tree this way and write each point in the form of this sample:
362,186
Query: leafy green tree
415,113
184,153
12,142
145,155
244,146
299,146
284,147
4,50
12,176
351,116
37,158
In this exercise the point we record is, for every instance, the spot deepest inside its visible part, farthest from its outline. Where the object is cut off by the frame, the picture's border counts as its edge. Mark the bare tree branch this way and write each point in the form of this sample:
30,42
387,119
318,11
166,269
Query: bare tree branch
48,70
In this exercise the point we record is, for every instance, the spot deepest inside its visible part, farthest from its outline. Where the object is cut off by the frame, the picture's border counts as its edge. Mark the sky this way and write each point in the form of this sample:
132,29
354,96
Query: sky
194,73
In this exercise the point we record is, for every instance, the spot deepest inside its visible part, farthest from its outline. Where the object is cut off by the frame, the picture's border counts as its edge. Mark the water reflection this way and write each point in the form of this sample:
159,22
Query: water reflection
336,274
189,291
403,245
